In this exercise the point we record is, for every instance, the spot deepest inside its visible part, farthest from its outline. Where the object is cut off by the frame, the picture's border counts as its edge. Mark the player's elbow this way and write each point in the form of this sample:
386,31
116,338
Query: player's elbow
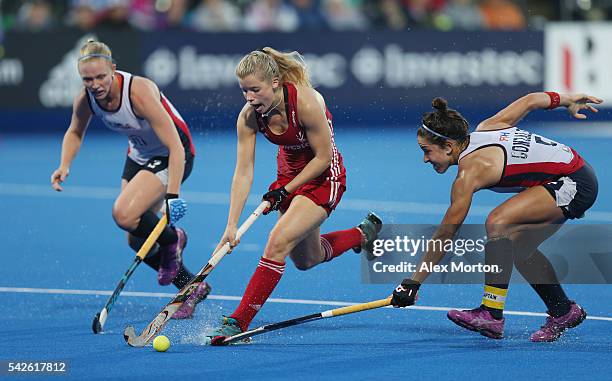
244,173
532,101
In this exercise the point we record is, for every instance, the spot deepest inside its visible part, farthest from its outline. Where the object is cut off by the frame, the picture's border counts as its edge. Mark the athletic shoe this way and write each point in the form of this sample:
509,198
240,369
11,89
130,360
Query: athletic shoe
555,326
229,327
171,259
188,307
369,227
479,320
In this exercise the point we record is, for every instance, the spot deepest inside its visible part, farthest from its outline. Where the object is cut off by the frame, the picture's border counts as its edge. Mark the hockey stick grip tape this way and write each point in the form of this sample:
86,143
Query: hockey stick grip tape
152,238
356,308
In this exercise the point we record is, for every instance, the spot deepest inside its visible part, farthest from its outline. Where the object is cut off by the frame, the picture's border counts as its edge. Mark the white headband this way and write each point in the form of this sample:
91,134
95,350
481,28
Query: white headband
435,133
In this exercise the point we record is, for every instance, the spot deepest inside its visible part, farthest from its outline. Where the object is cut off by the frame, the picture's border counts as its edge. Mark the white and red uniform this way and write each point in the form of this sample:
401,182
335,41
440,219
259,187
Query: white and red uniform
530,159
143,141
294,153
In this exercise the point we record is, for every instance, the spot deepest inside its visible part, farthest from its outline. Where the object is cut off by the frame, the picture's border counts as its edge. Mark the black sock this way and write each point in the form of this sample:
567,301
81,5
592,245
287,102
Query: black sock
554,297
146,225
541,275
496,313
498,252
153,259
183,277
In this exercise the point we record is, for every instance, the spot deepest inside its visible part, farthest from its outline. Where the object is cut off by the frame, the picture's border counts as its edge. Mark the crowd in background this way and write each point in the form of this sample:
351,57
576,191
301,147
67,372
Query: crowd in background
293,15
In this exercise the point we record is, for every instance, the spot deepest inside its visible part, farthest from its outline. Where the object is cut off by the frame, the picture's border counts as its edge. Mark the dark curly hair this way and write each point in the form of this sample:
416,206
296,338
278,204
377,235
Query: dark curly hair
447,122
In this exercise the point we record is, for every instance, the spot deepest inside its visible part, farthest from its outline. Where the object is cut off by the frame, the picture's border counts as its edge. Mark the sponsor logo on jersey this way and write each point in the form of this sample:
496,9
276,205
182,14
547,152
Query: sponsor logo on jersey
119,126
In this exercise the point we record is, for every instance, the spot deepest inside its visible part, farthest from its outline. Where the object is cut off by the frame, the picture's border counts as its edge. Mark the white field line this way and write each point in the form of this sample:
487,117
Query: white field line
237,298
217,198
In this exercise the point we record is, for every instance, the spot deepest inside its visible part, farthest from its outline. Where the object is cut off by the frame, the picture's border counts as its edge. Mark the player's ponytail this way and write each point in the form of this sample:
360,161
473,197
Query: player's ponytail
270,63
443,124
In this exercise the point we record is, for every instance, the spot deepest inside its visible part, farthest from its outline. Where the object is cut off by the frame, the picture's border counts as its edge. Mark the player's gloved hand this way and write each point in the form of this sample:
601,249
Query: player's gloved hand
275,197
406,293
176,208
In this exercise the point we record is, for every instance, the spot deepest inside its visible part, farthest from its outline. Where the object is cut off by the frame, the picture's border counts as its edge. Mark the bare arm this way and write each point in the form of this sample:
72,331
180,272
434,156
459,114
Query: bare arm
243,173
517,110
73,138
245,161
146,101
473,175
313,118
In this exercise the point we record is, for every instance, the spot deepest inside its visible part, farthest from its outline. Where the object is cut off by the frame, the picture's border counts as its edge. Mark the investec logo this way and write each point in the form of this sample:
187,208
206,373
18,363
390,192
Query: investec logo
397,68
63,81
393,65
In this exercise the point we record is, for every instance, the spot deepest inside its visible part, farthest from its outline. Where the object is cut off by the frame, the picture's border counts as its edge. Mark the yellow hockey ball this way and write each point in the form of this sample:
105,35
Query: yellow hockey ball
161,343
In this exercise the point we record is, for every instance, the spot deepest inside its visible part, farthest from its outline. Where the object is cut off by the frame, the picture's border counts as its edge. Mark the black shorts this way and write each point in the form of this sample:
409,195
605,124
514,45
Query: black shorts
575,193
158,165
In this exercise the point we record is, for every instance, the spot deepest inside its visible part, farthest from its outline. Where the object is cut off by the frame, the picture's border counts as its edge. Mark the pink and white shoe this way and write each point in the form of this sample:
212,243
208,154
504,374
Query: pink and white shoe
188,307
555,326
479,320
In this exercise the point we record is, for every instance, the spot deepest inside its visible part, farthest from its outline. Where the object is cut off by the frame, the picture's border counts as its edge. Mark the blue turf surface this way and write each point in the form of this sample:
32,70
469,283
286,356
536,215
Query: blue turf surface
69,241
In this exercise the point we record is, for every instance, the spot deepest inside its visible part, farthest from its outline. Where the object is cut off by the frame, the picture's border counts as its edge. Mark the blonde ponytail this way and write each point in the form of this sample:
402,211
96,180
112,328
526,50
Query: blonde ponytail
270,63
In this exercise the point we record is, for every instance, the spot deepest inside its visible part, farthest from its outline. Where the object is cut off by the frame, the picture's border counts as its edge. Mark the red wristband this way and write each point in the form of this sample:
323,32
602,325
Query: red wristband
555,99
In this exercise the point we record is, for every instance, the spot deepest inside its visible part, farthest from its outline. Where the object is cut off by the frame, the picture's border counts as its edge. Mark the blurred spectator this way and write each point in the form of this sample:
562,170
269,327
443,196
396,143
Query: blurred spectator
460,14
291,15
143,15
216,16
116,14
420,12
270,15
309,14
35,16
83,15
588,11
1,33
502,15
173,13
344,15
386,14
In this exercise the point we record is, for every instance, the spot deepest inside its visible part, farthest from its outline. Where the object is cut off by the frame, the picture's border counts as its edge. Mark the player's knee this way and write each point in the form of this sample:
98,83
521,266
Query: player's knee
497,224
123,218
278,245
304,264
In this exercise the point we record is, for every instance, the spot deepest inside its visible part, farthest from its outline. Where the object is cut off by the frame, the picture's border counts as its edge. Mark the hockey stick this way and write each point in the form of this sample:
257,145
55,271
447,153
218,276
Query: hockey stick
220,340
100,318
166,313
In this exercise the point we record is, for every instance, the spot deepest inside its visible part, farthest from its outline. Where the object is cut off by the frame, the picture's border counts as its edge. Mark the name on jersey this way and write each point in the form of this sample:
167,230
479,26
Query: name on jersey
521,144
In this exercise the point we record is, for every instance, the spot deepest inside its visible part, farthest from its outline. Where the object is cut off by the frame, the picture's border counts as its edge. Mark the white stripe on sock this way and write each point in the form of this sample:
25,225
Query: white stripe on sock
327,249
